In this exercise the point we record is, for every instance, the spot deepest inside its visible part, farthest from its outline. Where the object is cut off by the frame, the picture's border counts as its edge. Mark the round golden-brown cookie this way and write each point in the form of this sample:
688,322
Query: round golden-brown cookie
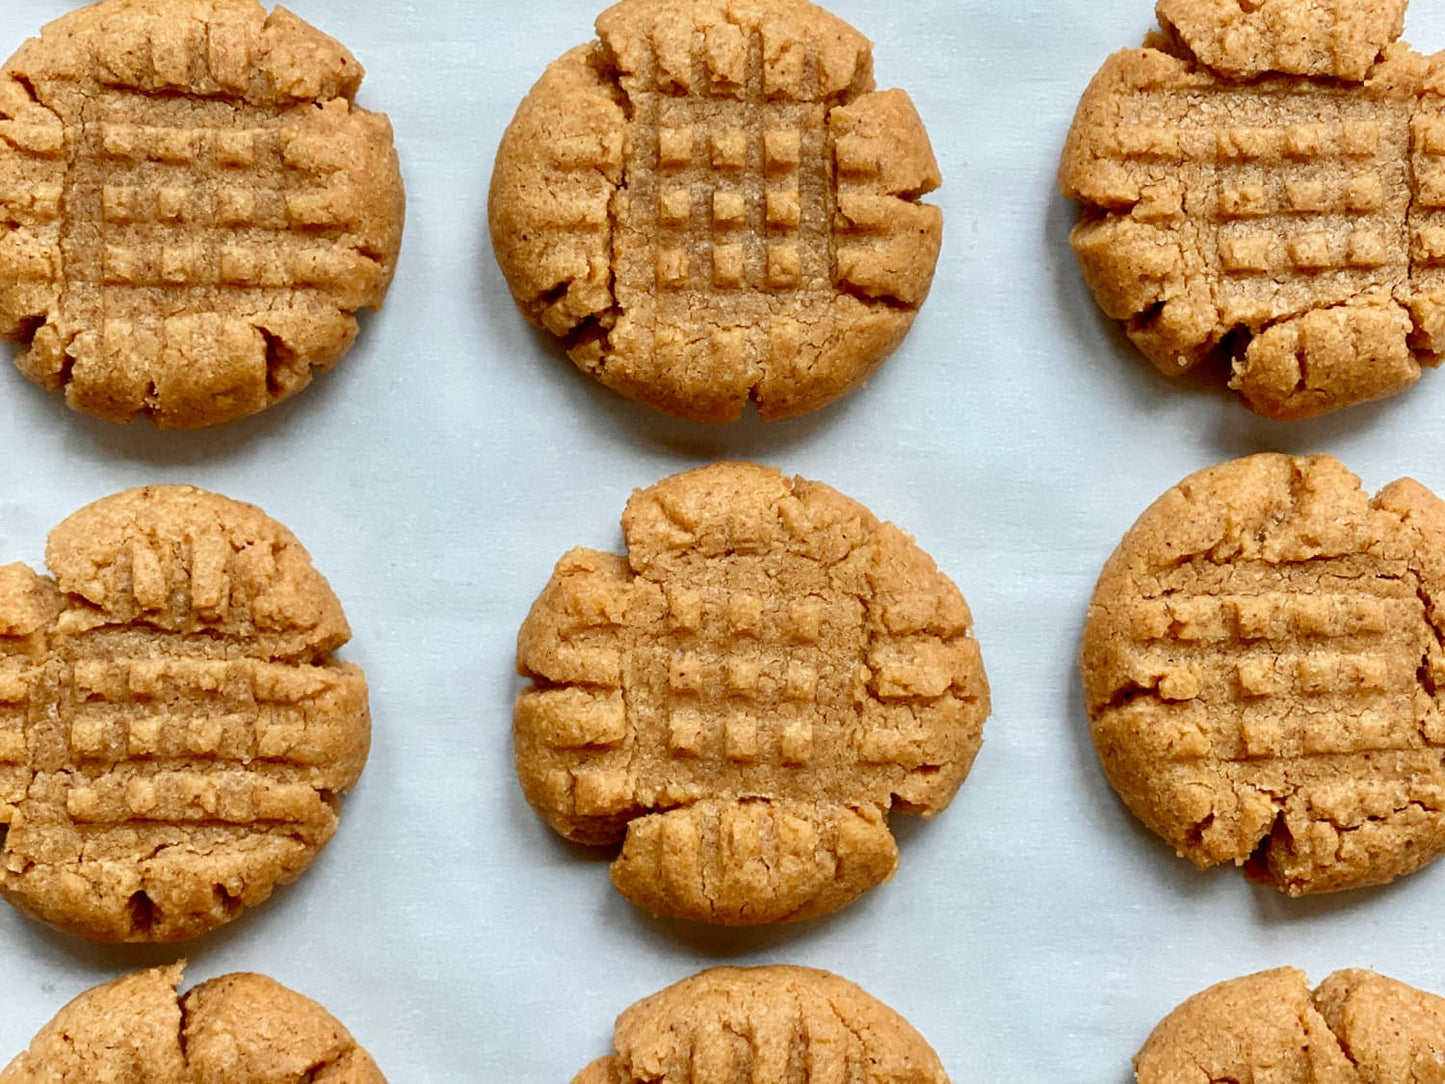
1357,1027
1263,184
712,205
1263,669
174,732
192,208
743,697
238,1029
764,1023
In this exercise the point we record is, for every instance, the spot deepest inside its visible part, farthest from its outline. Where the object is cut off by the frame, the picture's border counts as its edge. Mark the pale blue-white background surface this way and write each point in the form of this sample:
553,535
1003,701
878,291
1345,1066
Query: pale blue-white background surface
1033,932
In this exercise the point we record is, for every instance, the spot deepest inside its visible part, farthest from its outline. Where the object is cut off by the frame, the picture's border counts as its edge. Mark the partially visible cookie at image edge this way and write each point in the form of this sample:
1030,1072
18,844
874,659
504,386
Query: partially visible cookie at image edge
175,733
1264,185
765,1023
237,1029
711,205
742,698
1356,1027
1332,39
194,208
1263,671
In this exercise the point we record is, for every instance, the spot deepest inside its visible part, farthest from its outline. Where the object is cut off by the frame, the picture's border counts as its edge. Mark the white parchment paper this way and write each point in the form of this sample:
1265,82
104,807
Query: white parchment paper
1034,932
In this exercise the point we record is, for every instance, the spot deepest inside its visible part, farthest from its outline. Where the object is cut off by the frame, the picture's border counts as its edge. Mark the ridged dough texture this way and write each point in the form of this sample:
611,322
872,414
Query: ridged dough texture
1357,1027
237,1029
764,1025
743,697
1264,186
1263,667
712,205
174,733
192,208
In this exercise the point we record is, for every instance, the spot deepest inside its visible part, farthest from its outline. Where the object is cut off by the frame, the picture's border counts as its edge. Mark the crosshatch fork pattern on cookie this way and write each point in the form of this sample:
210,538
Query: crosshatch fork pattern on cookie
745,719
174,734
180,206
1292,227
194,208
1263,666
713,206
1326,196
732,169
743,192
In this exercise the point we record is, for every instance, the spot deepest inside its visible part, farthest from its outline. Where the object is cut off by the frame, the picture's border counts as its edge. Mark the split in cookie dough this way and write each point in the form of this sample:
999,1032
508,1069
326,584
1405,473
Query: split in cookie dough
1357,1027
1264,184
237,1029
764,1024
743,697
712,205
1263,668
192,208
175,734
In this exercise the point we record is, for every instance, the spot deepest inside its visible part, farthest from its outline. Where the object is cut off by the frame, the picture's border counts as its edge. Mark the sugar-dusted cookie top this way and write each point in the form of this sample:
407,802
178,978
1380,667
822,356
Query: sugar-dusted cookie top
193,208
712,205
174,732
744,696
764,1023
1262,665
1357,1027
237,1029
1263,185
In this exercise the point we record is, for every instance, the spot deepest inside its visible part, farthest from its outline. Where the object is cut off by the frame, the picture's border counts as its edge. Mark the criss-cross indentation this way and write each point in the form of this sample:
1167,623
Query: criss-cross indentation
192,219
173,731
729,213
1263,663
748,697
1289,225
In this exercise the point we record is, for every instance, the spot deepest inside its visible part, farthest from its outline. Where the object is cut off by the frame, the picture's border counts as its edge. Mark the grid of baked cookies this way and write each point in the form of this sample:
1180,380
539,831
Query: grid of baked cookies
743,207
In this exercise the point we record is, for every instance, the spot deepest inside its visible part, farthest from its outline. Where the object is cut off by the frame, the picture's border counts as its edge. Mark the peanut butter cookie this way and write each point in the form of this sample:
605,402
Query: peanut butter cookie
174,733
238,1029
764,1024
1356,1028
1264,184
711,204
192,208
743,697
1263,669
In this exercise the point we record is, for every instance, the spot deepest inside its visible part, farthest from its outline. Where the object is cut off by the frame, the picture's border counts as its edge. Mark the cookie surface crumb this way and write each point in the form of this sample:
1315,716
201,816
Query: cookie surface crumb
1340,39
